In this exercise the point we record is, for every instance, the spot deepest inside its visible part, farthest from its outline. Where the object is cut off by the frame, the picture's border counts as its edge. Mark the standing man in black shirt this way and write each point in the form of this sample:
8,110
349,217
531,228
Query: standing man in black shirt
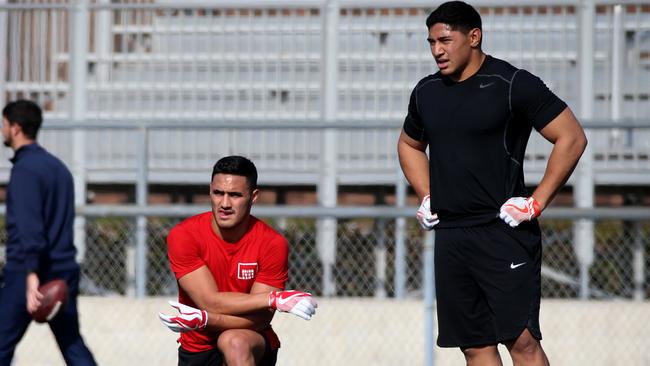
475,115
40,215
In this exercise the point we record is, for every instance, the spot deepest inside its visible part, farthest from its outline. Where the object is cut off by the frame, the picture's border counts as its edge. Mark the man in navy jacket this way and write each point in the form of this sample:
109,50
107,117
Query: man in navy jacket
39,221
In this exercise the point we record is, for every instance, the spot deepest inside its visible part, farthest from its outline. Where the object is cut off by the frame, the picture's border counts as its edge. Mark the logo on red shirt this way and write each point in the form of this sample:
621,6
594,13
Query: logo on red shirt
246,271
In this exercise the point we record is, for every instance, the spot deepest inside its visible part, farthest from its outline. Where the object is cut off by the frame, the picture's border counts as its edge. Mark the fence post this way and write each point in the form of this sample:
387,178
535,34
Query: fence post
380,258
327,184
638,261
141,221
429,296
400,237
584,183
78,74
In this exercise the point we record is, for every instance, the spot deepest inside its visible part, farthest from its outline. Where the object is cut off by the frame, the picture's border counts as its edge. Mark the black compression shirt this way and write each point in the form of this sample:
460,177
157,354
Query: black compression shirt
477,131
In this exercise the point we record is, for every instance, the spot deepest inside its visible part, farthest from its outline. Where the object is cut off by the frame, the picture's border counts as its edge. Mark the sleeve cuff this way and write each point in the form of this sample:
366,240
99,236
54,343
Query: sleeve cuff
31,264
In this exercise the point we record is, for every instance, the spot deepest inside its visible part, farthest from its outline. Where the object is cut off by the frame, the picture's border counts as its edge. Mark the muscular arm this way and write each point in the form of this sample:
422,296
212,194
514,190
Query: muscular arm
415,163
256,320
569,142
200,286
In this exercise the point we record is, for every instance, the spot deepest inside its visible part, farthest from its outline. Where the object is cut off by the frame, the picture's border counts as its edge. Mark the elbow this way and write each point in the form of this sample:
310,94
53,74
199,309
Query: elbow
574,143
572,146
581,143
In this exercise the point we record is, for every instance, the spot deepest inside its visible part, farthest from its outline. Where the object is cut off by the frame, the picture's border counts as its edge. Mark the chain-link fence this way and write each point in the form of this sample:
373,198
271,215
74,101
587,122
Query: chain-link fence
363,243
365,274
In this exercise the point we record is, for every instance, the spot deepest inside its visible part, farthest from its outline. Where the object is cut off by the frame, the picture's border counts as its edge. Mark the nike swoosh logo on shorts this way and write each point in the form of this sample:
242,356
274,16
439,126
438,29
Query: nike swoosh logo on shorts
485,85
513,265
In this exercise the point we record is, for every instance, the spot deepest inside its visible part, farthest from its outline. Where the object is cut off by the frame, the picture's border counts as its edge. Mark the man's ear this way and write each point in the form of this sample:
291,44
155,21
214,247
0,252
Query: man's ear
15,129
475,36
254,195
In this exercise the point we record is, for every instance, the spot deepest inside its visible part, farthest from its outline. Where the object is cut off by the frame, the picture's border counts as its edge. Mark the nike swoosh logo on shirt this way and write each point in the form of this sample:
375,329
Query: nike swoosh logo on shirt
485,85
513,266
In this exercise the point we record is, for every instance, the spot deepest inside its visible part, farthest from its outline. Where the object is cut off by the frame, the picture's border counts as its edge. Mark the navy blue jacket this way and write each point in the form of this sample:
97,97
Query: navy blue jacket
40,213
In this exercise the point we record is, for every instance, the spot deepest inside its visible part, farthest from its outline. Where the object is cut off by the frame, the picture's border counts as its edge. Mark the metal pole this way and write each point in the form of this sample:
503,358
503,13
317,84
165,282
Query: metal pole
103,42
617,69
584,186
141,220
639,262
78,73
380,256
400,238
327,185
4,24
429,297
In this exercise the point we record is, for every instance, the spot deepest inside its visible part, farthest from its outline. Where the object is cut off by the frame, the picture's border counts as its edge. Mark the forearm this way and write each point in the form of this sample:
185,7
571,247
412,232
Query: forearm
191,318
257,321
236,303
561,163
201,288
415,165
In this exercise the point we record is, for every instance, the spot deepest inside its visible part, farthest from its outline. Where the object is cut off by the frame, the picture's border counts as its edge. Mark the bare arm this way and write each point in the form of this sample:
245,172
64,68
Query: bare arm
200,286
569,142
415,163
257,320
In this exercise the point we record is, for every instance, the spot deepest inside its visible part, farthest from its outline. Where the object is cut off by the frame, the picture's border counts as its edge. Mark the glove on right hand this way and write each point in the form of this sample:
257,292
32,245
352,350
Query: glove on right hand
189,319
426,219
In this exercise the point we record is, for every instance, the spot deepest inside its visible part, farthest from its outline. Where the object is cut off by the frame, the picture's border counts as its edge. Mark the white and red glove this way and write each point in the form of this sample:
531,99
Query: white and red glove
426,219
519,209
298,303
189,319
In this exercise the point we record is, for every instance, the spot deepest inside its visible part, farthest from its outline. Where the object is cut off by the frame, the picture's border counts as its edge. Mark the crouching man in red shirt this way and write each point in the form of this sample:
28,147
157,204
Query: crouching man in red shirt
231,270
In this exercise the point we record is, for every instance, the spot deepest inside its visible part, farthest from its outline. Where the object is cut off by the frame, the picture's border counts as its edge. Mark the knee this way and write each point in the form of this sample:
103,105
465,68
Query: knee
234,345
471,353
526,349
481,355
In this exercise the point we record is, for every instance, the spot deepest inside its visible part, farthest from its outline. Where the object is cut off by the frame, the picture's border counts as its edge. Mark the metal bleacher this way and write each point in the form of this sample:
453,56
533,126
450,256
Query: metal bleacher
224,63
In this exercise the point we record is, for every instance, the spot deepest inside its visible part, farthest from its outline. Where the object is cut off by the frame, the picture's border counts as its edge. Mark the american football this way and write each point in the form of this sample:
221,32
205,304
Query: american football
55,294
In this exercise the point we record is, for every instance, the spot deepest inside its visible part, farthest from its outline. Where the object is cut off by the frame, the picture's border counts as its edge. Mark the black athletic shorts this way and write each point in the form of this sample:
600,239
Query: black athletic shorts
488,283
214,357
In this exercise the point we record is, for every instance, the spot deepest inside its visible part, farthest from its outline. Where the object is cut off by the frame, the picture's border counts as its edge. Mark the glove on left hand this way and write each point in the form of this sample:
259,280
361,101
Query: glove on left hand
519,209
298,303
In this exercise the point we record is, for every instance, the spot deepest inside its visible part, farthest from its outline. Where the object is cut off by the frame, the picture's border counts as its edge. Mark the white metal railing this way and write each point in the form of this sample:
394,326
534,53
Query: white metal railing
223,61
290,152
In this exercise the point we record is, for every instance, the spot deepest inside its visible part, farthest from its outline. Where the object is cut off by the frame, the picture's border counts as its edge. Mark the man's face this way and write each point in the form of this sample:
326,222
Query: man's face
450,48
6,132
231,199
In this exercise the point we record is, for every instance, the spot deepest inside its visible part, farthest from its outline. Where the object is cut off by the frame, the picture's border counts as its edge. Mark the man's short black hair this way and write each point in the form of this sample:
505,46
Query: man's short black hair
458,15
26,114
237,165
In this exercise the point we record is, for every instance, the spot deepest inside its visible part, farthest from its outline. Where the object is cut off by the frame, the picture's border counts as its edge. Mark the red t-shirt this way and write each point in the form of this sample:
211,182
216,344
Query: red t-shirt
259,256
